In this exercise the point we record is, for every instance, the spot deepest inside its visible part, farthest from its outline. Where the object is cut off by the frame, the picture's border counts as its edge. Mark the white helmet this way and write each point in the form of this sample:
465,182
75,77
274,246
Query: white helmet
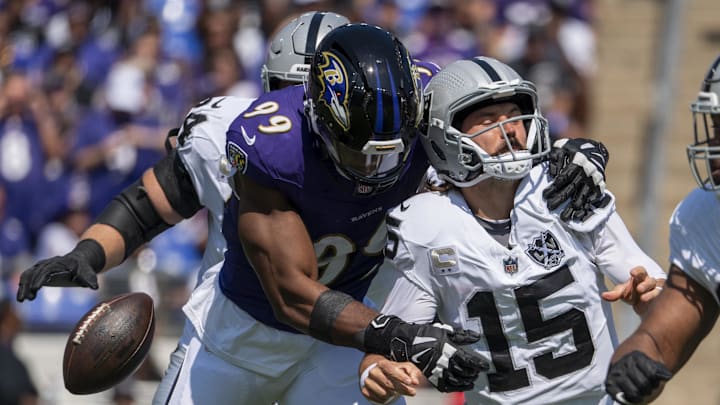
291,50
460,88
704,154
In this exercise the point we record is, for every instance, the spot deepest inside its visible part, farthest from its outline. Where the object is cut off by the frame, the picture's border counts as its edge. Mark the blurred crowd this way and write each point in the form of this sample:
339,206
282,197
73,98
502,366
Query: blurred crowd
89,90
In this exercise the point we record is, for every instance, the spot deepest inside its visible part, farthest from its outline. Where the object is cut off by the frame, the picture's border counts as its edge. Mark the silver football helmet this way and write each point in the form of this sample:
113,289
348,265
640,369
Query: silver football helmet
457,90
704,154
291,49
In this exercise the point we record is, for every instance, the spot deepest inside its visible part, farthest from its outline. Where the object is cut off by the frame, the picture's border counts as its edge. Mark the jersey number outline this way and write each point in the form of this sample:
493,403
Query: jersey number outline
333,253
278,123
506,377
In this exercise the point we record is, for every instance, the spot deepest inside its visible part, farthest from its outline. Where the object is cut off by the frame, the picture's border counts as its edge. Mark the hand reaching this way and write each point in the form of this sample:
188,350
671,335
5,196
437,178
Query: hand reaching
77,268
637,291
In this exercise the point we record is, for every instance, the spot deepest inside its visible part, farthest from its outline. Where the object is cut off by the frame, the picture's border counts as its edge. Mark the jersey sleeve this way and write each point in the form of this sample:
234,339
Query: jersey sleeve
409,302
616,252
412,296
201,148
265,142
694,236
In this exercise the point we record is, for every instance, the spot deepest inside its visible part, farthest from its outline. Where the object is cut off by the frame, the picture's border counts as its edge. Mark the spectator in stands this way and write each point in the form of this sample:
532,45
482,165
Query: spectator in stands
116,142
30,150
224,77
14,240
439,39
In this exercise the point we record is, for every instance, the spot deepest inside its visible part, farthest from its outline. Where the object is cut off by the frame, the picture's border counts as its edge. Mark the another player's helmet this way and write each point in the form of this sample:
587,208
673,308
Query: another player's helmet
291,50
462,87
364,101
704,154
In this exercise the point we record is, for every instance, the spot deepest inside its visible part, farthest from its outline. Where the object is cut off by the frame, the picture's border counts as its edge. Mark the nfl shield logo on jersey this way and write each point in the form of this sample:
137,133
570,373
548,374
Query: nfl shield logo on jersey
545,250
511,265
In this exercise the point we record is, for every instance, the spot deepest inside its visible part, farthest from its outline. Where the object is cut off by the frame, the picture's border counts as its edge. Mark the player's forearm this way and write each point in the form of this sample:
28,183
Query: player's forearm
111,242
686,313
349,328
674,325
328,315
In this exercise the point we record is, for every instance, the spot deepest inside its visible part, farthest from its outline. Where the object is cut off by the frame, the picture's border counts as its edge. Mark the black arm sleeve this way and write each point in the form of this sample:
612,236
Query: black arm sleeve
132,214
177,185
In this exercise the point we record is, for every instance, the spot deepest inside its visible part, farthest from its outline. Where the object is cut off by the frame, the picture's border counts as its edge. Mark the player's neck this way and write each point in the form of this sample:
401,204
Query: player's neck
491,198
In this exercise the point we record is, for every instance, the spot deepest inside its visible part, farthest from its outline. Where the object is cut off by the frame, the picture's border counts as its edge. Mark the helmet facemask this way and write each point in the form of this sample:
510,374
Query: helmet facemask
511,165
459,90
515,163
704,153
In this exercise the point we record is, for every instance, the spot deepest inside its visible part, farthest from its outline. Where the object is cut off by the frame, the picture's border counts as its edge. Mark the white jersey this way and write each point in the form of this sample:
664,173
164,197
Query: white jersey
201,146
695,239
547,333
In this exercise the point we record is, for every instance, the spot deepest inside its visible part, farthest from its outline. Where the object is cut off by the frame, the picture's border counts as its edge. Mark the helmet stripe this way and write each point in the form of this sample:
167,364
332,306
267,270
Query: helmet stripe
494,76
381,112
378,95
710,77
396,102
312,35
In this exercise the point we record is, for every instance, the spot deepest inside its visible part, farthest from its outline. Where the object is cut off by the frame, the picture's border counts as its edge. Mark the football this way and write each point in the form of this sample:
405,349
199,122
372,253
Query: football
108,343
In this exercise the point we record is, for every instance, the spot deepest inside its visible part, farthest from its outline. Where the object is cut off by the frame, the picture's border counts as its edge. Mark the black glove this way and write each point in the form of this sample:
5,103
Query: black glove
77,268
635,376
578,166
432,348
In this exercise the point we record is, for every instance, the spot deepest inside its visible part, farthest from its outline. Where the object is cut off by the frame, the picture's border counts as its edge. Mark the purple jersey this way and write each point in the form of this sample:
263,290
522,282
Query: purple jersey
272,144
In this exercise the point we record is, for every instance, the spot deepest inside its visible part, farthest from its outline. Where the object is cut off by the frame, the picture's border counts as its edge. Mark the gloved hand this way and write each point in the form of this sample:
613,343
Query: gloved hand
432,348
578,168
77,268
633,378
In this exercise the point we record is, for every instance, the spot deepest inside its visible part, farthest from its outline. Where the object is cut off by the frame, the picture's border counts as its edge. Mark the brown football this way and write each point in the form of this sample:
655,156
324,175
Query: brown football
108,343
